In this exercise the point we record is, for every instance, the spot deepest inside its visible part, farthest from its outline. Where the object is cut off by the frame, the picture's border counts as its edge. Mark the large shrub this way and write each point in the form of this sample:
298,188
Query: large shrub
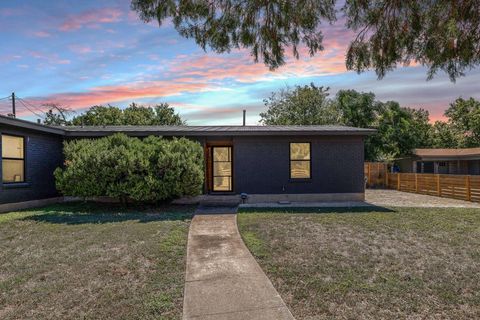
152,169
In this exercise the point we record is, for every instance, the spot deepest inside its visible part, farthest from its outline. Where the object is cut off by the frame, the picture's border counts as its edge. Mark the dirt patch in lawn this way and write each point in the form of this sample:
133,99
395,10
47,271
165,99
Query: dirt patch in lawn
77,261
408,263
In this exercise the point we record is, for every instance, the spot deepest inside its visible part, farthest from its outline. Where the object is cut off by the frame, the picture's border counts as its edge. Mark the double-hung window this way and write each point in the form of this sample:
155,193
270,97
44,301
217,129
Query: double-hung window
13,159
300,160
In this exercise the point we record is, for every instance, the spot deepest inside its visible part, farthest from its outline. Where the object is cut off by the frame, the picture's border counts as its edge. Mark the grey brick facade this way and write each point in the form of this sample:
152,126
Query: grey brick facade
43,155
261,156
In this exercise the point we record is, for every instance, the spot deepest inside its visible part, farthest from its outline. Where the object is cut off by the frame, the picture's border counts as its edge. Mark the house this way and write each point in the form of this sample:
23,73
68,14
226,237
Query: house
268,163
442,161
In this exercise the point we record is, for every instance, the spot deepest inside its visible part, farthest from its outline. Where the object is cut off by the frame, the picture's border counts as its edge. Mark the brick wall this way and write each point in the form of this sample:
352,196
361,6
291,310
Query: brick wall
43,155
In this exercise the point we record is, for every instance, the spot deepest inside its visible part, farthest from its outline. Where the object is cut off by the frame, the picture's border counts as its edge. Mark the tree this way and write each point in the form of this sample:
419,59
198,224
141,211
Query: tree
464,116
138,115
165,115
153,169
445,135
307,105
56,115
399,130
266,28
358,109
135,114
441,35
100,116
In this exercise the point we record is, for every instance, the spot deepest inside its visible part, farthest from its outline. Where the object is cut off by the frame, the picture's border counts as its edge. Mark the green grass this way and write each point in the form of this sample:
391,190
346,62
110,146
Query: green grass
370,263
90,261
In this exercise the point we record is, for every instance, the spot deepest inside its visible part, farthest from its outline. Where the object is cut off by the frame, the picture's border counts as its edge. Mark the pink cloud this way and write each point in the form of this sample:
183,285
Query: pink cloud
116,93
240,67
9,58
80,49
91,19
41,34
50,58
8,12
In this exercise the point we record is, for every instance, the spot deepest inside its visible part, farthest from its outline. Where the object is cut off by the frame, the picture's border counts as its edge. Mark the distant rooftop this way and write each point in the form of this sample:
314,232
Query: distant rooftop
84,131
464,153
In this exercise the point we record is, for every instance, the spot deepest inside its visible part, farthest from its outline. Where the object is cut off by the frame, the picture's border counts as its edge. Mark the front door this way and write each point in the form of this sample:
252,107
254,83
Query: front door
222,173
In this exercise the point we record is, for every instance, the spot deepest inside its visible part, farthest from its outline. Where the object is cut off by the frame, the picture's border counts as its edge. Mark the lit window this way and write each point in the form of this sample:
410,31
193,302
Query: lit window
13,159
222,168
300,161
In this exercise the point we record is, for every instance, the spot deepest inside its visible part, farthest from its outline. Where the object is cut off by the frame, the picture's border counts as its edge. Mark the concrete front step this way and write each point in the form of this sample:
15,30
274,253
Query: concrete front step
216,209
219,203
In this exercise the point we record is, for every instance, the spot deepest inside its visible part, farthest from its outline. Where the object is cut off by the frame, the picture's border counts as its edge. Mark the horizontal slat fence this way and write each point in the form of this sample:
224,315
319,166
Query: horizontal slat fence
463,187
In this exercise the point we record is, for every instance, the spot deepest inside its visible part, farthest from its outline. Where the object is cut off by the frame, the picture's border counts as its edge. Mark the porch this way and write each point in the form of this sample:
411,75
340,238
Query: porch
471,167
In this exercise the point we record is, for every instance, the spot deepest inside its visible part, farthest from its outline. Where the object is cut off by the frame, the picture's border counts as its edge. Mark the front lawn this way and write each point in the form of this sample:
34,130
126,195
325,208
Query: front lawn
369,263
85,261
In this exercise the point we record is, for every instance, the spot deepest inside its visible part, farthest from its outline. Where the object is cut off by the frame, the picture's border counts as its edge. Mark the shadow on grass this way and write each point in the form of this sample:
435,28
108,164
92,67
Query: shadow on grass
319,210
94,213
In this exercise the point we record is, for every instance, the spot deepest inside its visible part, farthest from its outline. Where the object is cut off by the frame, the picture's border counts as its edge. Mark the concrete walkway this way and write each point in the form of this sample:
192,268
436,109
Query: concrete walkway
223,280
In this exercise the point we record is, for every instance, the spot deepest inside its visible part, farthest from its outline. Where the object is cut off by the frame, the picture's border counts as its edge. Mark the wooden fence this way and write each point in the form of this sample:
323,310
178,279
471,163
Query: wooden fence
375,174
464,187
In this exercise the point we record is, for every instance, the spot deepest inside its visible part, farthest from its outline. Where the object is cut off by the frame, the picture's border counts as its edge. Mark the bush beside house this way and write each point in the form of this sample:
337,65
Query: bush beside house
150,170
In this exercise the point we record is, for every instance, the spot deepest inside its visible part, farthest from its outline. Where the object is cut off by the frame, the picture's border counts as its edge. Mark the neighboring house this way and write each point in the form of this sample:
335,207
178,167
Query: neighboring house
269,163
442,161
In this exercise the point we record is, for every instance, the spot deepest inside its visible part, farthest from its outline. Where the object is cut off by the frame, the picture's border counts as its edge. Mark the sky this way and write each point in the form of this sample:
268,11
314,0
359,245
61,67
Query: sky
84,53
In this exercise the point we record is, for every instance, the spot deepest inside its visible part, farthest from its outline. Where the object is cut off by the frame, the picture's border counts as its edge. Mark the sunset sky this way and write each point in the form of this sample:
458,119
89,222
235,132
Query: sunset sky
85,53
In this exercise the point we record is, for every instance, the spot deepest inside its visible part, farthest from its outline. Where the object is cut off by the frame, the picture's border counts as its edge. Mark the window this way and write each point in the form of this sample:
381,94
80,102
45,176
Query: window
13,159
222,168
300,161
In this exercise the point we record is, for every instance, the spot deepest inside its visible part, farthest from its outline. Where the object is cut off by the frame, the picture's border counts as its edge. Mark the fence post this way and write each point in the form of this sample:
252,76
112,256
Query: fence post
386,179
379,173
369,177
398,181
439,189
467,182
416,182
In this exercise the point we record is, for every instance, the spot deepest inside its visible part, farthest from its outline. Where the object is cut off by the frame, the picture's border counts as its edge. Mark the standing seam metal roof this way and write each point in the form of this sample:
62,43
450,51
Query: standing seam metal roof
187,130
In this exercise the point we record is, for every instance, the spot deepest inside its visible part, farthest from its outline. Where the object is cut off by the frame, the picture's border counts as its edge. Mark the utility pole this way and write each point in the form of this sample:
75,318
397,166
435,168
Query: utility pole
13,105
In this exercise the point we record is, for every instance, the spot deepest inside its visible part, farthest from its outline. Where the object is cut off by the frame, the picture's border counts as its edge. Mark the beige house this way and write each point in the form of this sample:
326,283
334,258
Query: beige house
442,161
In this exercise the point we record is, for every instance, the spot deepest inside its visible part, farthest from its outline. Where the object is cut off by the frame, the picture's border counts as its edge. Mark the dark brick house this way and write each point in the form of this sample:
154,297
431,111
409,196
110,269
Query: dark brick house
269,163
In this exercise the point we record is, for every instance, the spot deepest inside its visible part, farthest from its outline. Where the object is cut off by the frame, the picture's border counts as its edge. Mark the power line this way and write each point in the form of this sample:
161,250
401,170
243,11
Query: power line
30,104
22,102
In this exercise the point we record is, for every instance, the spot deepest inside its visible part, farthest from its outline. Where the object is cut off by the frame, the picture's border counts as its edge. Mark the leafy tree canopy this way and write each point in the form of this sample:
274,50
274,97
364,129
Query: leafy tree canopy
399,130
442,35
464,116
264,27
357,109
444,135
135,114
56,115
305,105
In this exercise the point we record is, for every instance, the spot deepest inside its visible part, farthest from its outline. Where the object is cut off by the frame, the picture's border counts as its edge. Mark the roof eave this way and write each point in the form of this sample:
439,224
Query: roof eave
19,123
216,133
